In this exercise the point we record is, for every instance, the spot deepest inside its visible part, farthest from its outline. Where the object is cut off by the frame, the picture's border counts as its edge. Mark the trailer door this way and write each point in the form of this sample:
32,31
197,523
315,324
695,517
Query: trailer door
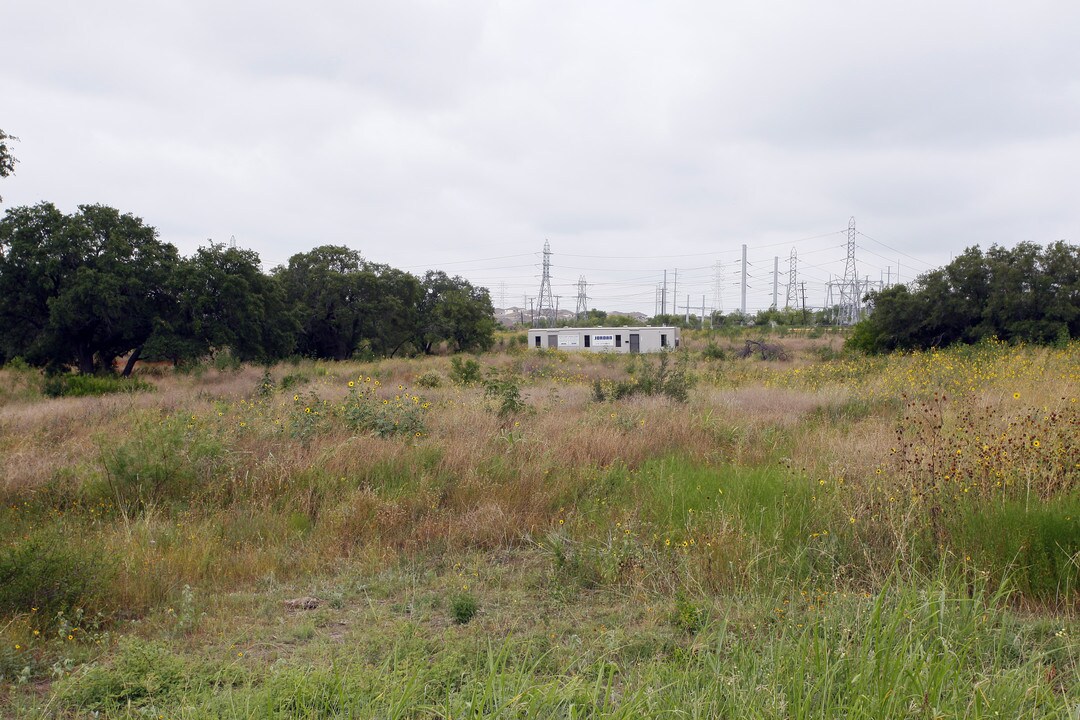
635,343
553,341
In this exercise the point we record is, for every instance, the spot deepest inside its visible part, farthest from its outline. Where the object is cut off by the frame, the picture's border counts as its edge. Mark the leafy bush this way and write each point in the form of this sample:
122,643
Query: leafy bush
91,385
506,389
294,380
661,379
265,388
687,615
463,607
604,390
713,351
44,575
363,409
664,379
430,379
163,461
465,371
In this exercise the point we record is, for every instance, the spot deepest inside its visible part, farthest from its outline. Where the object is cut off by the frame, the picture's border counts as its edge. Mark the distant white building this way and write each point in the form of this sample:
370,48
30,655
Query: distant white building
601,339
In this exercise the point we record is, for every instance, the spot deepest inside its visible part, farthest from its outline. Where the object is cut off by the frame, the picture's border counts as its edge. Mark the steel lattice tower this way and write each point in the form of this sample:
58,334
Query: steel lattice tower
582,298
849,288
792,281
718,297
545,303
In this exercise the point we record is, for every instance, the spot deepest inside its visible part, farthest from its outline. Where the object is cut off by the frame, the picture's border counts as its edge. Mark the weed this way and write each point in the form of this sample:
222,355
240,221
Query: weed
687,616
463,607
265,388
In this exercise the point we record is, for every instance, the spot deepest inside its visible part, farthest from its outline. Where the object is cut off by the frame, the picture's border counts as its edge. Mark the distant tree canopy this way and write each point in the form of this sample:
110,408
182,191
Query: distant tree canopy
79,288
7,160
1026,294
87,288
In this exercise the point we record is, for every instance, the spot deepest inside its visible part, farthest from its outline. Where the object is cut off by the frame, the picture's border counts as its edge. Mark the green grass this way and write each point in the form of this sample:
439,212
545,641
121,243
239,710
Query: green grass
748,564
925,647
92,385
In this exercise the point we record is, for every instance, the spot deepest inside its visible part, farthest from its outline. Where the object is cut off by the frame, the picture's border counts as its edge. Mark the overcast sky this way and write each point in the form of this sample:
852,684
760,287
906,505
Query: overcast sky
634,136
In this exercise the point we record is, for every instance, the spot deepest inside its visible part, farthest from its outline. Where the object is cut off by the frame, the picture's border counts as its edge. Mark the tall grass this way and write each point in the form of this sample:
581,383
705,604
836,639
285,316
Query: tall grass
787,520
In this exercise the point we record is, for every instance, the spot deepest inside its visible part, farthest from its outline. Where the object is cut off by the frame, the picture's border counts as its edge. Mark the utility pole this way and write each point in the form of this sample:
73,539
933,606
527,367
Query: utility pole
663,301
775,278
675,293
703,313
718,273
687,320
742,307
804,303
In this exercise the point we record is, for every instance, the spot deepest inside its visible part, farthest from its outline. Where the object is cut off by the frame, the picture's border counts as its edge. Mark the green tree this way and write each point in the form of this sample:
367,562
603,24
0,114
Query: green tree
453,311
391,302
7,160
225,301
83,288
324,287
1026,294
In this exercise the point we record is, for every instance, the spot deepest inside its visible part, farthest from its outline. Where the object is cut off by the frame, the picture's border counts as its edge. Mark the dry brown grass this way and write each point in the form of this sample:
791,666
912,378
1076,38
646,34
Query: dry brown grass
276,506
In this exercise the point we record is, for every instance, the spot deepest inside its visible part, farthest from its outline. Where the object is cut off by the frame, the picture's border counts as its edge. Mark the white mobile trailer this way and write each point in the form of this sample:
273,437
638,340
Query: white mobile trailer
601,339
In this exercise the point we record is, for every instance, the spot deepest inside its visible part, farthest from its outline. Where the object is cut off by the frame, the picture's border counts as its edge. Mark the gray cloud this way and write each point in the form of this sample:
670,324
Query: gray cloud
653,135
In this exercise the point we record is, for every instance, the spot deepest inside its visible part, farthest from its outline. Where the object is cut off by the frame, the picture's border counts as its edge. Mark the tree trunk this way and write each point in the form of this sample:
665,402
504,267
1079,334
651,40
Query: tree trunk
132,359
85,358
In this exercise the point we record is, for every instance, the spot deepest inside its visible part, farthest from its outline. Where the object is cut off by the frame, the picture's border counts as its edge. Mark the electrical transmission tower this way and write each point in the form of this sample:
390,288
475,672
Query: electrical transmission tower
849,286
718,275
582,299
792,281
545,303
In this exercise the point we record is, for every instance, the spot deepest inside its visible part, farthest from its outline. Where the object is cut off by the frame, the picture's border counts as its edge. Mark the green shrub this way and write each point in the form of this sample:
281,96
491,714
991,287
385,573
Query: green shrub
225,361
673,381
430,379
505,388
463,607
44,575
465,371
161,461
604,390
17,364
713,351
687,615
363,409
265,388
294,380
91,385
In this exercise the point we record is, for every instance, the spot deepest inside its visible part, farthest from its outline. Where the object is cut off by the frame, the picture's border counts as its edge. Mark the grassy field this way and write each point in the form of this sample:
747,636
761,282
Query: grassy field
540,534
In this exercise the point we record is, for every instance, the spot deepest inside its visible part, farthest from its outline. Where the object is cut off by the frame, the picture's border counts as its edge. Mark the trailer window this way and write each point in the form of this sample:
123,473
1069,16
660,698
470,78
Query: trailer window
618,341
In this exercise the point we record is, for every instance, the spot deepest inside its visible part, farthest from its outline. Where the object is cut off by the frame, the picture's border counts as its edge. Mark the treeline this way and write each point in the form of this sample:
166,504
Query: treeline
1026,294
87,288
